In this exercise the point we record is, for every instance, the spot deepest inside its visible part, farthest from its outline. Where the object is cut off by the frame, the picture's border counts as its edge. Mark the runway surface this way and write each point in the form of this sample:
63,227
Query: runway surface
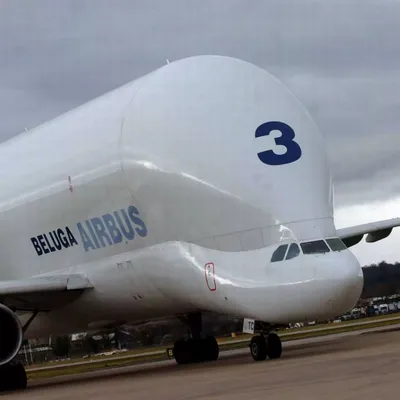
363,325
352,366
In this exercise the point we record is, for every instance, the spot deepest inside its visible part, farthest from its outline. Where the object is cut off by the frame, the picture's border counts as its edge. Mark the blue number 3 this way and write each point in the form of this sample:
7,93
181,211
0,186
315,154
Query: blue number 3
293,150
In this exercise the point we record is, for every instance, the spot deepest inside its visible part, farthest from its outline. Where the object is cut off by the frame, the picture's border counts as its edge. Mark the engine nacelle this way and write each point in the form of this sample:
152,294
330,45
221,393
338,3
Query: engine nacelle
11,335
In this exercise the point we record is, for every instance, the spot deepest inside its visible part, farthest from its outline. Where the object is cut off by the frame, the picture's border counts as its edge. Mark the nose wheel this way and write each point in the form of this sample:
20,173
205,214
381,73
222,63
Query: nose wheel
262,347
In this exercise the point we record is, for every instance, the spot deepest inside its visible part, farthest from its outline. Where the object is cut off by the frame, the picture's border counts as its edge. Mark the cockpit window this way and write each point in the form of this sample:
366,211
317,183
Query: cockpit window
336,244
279,253
315,247
293,251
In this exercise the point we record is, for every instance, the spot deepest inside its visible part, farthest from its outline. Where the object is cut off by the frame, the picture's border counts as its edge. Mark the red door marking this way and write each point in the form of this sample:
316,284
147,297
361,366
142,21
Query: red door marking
210,276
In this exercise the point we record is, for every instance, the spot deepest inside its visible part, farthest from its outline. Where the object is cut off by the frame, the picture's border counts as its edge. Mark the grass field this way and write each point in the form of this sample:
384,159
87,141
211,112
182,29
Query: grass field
160,353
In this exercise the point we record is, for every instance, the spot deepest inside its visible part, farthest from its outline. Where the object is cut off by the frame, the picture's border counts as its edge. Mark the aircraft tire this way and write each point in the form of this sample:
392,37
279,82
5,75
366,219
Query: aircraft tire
211,348
196,350
183,351
274,346
258,348
13,377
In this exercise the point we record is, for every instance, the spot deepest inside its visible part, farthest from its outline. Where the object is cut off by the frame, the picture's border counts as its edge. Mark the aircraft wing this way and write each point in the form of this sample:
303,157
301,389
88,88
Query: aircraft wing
42,293
375,231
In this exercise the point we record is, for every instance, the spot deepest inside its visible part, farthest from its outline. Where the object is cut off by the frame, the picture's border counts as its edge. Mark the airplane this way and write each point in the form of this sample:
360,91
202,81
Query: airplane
203,186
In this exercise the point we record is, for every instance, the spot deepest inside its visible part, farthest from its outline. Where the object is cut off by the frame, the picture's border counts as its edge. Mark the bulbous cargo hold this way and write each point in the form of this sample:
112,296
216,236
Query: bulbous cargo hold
209,150
225,156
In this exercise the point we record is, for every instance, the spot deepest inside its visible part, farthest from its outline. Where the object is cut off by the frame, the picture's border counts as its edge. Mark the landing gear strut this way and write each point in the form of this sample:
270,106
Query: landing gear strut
196,348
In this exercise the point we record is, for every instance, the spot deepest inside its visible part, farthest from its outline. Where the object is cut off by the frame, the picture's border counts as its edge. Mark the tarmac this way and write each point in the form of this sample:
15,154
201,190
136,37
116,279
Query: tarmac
356,365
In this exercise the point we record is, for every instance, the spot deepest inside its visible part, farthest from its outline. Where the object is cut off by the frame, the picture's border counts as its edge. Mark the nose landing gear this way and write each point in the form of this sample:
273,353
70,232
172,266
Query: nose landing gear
266,344
262,347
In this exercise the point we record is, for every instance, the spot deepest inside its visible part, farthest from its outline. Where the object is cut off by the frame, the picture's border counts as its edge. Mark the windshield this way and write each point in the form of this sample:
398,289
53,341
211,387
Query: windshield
315,247
293,251
336,244
279,253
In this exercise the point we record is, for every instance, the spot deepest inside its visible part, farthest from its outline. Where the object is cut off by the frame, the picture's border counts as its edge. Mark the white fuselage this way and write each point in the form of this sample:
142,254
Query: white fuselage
155,192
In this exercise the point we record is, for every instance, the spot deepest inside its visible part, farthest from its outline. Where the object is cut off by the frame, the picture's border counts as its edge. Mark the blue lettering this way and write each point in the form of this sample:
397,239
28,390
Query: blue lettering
111,228
57,242
43,244
71,238
114,232
100,230
38,249
52,241
130,234
62,238
133,214
293,150
87,243
92,234
52,249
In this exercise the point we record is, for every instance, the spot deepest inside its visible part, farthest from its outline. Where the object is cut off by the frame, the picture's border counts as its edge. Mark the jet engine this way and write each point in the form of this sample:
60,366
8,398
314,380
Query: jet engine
11,335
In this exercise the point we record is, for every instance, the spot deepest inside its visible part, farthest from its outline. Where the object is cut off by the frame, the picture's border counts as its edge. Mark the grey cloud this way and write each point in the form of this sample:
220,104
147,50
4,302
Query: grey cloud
341,58
359,119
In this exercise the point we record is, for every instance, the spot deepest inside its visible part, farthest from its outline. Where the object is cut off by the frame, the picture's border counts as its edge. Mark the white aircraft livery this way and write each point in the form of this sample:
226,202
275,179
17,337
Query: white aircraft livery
203,186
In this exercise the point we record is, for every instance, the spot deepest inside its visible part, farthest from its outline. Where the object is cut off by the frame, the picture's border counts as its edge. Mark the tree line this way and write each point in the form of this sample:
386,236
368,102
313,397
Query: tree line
381,280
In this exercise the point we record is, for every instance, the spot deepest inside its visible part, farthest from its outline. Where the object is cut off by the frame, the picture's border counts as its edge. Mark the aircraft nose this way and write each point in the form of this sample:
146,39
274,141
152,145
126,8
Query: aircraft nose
344,280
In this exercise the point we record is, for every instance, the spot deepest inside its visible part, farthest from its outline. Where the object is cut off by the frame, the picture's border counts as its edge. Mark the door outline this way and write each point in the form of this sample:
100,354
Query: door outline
209,273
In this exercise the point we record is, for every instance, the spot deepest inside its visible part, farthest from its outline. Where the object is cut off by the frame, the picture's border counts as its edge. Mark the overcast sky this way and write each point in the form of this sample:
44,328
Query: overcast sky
341,58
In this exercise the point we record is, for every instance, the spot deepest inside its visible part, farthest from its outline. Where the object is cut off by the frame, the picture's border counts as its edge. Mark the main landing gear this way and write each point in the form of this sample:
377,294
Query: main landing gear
262,346
196,348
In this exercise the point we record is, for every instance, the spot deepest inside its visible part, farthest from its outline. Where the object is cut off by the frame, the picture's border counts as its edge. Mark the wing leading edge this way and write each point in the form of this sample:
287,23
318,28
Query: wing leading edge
43,293
375,231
